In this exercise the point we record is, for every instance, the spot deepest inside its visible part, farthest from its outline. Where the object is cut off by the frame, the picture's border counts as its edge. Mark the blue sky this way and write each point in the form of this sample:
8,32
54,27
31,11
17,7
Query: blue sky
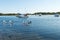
29,6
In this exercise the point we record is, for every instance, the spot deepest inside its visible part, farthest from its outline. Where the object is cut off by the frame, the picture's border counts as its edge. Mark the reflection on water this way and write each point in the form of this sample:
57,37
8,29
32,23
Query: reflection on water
45,27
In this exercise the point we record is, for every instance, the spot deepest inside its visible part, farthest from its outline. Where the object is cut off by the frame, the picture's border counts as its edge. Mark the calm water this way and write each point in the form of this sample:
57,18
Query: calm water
46,27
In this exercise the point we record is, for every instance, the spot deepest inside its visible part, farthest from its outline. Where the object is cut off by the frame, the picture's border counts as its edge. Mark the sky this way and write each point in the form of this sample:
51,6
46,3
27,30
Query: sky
29,6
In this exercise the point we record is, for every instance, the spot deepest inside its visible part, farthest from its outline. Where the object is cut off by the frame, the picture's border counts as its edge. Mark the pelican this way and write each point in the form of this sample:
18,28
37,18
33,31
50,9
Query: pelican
4,22
10,22
27,23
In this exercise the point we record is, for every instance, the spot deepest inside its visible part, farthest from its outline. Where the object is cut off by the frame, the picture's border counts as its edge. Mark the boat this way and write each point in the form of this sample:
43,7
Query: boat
56,15
40,14
22,16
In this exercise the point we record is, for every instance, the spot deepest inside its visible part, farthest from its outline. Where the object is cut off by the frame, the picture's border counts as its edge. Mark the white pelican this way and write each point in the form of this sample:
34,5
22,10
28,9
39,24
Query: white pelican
27,23
10,22
4,22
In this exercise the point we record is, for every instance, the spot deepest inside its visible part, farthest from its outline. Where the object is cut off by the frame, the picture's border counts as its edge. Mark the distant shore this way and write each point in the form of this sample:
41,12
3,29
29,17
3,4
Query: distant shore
36,13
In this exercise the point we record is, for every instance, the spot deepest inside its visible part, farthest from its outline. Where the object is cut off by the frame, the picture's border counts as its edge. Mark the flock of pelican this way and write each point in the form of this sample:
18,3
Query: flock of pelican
10,22
4,22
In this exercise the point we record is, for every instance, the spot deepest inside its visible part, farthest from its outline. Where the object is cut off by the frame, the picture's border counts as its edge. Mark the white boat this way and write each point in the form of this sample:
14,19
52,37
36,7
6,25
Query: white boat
22,16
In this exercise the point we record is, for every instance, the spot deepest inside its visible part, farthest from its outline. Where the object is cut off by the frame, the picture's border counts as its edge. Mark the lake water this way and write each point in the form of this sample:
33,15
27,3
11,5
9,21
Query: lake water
45,27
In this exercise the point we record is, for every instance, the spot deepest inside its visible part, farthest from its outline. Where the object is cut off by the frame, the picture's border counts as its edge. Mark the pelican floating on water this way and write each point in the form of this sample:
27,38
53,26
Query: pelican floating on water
27,23
10,22
4,22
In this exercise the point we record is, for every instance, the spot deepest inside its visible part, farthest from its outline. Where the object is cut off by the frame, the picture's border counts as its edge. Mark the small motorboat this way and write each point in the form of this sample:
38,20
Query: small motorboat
40,14
22,16
56,15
